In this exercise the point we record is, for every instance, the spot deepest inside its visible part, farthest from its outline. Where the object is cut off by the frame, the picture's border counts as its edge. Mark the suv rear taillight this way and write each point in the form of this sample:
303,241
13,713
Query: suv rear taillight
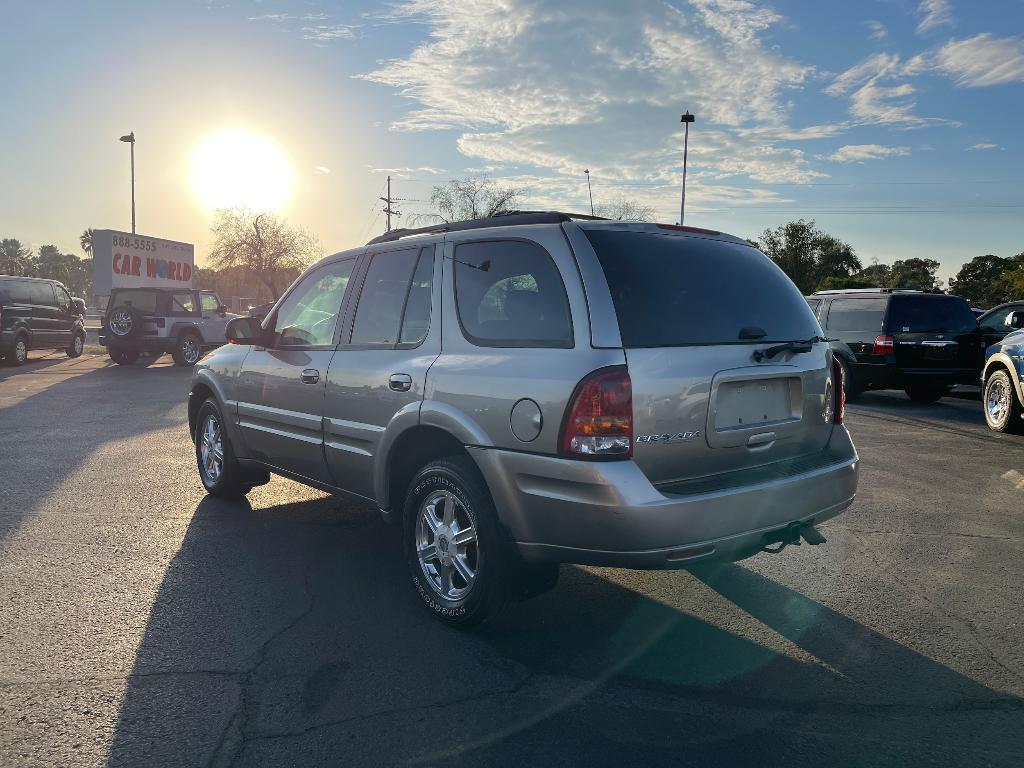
838,391
599,419
883,345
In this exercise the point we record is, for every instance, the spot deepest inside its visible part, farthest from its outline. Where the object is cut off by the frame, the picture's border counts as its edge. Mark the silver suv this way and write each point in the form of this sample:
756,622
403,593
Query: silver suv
536,389
181,321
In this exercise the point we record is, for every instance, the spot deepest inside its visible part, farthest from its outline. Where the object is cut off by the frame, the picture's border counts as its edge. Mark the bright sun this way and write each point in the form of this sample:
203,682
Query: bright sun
240,168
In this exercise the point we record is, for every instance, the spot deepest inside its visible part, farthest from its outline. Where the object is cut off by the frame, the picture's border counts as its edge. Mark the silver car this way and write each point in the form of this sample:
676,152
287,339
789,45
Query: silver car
536,389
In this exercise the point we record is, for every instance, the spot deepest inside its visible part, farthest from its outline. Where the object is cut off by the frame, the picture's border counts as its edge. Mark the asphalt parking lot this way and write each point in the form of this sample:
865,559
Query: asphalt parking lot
142,623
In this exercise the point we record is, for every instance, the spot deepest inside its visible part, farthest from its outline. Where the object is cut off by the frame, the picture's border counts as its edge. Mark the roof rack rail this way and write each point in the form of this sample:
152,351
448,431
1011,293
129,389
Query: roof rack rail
503,219
833,291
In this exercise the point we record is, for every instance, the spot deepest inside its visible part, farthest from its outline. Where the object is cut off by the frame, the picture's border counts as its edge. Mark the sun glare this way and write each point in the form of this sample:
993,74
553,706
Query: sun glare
240,168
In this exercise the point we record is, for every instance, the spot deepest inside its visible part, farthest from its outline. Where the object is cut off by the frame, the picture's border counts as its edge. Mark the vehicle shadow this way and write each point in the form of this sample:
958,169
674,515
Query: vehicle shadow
958,407
290,635
37,361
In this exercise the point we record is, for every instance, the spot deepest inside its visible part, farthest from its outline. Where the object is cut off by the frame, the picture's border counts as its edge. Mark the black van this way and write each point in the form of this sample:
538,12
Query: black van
922,343
38,314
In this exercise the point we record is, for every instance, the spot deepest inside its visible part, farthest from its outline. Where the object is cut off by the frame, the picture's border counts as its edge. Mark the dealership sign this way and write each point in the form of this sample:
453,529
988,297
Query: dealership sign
123,260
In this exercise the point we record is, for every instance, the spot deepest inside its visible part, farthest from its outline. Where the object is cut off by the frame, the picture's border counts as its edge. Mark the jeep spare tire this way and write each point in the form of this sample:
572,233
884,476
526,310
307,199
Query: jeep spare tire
124,322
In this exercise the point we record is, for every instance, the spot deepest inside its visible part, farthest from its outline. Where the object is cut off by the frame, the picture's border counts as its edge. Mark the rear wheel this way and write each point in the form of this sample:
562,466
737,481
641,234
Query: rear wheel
19,352
187,350
1002,408
123,356
924,393
453,546
77,346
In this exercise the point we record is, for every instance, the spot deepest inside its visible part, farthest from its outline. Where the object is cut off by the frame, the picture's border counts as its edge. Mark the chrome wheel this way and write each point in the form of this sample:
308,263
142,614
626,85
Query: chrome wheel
78,345
189,350
211,450
20,351
997,400
446,545
120,322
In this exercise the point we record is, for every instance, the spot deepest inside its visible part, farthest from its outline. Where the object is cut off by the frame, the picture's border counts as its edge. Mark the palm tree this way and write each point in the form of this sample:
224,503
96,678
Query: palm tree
85,240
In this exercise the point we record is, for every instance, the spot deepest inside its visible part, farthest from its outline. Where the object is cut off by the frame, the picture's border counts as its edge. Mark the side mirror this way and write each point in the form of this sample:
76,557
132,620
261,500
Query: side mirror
1015,320
78,306
222,310
244,330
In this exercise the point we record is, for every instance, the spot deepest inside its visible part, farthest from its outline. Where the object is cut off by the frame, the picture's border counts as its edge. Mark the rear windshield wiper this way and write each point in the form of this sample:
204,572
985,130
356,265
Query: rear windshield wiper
788,346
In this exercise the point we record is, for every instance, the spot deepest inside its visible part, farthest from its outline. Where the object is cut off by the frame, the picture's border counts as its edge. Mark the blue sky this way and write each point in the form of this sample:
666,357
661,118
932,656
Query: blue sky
894,123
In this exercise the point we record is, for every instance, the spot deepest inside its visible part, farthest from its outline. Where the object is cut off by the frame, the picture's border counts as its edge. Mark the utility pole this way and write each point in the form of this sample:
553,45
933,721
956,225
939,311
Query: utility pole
130,139
388,210
590,191
686,120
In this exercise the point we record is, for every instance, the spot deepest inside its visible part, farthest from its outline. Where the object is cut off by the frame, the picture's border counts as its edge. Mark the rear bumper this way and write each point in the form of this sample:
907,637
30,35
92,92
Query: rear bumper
886,376
141,344
608,513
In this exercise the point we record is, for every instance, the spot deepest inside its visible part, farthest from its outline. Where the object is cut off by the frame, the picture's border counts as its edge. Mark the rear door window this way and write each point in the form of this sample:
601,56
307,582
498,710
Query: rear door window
509,293
677,291
930,314
63,298
379,314
864,315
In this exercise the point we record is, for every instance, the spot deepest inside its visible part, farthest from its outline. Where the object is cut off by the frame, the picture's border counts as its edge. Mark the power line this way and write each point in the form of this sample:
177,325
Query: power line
388,210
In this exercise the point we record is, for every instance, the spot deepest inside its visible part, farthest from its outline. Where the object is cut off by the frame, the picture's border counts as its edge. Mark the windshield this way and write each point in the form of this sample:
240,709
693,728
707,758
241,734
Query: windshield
930,314
675,291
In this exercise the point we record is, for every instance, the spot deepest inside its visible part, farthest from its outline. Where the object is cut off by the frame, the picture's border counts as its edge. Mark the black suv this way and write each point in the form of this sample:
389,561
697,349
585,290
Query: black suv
38,314
922,343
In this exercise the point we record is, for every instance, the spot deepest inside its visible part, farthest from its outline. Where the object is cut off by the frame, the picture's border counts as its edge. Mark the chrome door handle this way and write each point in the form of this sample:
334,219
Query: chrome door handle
400,382
310,376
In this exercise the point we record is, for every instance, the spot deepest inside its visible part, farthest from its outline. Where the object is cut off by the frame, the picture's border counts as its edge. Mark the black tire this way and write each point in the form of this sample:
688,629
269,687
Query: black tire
229,483
124,323
1006,418
925,393
123,356
488,556
19,350
187,349
77,346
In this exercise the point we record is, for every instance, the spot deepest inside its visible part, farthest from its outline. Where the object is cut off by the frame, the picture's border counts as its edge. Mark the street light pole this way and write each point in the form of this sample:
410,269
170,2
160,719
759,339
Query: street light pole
686,119
589,191
130,139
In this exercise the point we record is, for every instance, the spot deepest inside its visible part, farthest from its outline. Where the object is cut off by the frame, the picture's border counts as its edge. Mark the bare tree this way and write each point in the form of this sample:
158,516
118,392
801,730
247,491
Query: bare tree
470,198
624,209
264,246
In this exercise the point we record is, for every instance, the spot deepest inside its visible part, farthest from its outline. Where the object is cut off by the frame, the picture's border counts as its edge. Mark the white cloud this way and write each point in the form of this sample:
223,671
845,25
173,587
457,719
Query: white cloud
934,14
323,33
408,171
879,92
982,60
321,170
579,84
983,145
858,153
876,30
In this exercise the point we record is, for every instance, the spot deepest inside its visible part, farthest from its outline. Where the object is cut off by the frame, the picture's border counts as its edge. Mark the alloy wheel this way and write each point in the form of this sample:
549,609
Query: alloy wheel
447,546
20,351
997,401
190,350
120,322
211,449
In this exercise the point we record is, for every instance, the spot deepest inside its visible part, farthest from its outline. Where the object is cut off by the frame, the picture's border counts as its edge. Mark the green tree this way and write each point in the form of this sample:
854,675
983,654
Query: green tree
470,198
15,258
914,274
85,241
980,280
876,275
807,254
74,272
845,283
1013,277
261,246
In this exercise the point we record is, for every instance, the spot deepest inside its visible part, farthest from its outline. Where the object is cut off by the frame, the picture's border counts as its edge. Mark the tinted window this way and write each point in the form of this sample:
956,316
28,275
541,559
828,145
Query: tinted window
63,298
42,294
416,320
930,314
671,291
20,291
864,315
509,294
383,297
309,314
209,302
142,300
1000,319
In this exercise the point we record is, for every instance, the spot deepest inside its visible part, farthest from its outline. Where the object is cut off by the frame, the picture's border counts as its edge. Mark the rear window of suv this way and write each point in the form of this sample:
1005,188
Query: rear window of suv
141,299
676,291
930,314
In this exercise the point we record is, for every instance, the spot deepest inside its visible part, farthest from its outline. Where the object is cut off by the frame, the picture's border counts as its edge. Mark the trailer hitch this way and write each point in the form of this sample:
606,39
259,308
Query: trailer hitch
792,534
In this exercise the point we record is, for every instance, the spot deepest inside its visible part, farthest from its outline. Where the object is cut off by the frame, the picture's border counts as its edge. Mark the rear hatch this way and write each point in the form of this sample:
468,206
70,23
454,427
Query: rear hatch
933,332
693,313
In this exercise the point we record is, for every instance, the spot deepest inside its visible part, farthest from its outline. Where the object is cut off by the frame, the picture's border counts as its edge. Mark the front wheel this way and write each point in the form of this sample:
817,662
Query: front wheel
187,350
453,546
77,346
218,469
1002,409
19,352
123,356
